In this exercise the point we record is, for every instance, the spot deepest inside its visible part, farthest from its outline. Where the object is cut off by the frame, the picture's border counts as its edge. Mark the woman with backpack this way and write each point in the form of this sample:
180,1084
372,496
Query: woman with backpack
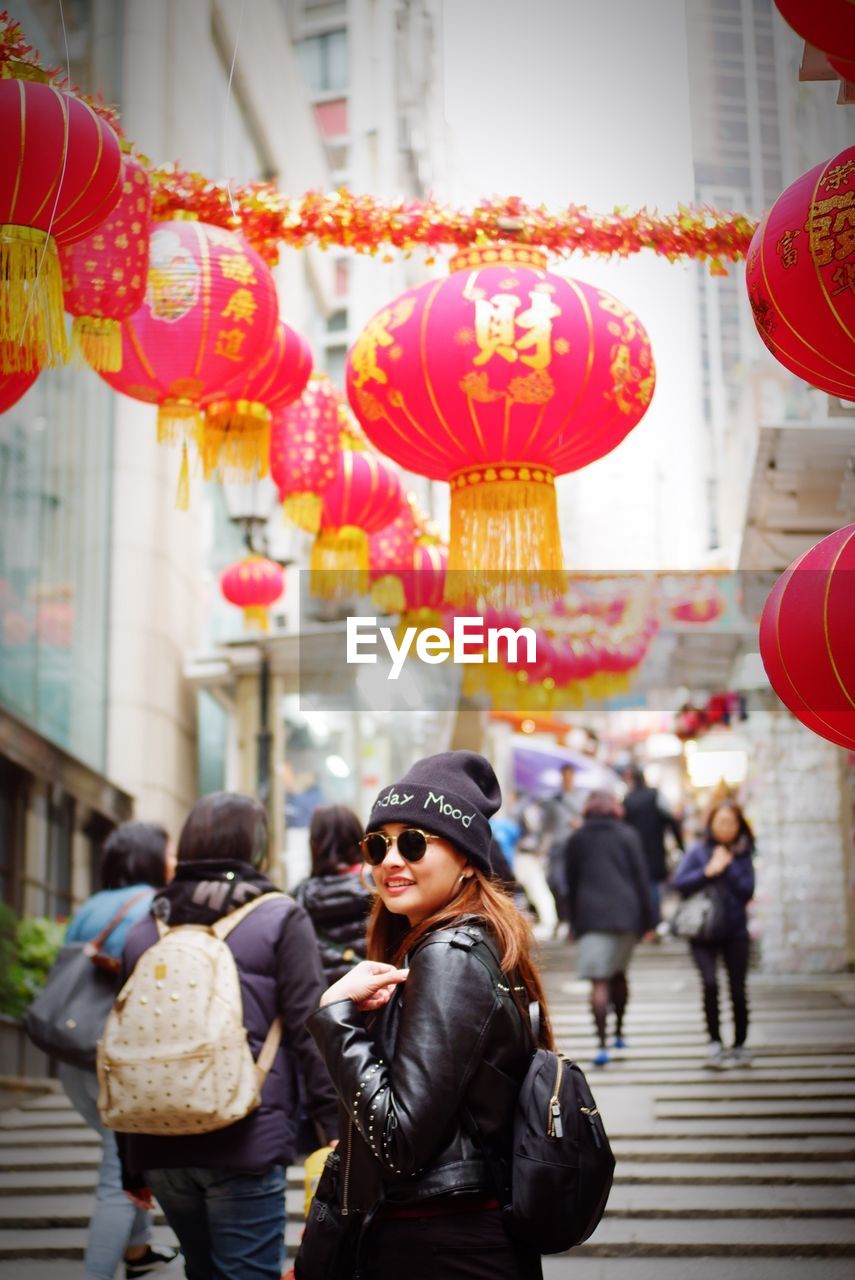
222,1188
721,865
428,1041
136,861
334,894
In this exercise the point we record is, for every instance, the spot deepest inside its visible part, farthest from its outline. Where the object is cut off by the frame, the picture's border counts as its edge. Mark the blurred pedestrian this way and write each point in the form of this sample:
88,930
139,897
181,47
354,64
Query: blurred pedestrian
223,1192
644,809
334,894
530,865
608,901
562,815
427,1080
723,862
136,860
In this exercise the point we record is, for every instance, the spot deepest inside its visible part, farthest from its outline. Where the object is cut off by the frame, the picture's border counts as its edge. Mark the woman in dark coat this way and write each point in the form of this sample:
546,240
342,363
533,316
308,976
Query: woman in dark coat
334,895
723,859
609,906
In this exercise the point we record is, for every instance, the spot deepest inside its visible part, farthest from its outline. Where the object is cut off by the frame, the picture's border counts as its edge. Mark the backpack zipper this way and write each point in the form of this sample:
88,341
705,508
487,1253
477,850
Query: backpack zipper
555,1127
346,1181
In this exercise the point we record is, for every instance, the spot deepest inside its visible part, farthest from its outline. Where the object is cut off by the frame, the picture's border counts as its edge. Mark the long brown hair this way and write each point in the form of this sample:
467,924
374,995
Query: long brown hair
391,936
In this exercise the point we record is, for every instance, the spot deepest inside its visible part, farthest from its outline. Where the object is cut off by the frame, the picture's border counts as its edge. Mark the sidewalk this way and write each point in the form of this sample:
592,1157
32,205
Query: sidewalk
743,1175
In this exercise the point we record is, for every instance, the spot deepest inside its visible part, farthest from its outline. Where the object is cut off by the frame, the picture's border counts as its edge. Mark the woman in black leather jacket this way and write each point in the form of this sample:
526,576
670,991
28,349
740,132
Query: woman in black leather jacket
426,1049
334,896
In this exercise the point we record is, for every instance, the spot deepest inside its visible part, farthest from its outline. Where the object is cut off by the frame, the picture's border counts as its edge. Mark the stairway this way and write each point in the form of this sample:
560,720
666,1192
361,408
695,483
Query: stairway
740,1175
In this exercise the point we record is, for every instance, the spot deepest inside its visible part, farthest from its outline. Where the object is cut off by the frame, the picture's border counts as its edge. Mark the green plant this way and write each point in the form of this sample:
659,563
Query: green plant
28,948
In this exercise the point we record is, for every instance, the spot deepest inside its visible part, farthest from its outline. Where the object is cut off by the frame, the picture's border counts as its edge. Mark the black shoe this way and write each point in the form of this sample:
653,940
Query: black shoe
150,1262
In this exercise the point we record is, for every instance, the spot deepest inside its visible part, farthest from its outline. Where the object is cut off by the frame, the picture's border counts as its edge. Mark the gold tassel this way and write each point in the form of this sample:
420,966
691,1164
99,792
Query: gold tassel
182,495
97,341
256,617
505,541
175,418
338,566
32,323
388,594
303,510
234,441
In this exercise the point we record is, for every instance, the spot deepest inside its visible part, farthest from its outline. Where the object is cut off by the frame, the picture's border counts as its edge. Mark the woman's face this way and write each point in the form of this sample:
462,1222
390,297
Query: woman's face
724,826
417,889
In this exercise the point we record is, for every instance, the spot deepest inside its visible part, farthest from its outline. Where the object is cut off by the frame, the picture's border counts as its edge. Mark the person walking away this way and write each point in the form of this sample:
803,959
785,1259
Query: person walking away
135,862
529,864
609,908
334,895
223,1192
644,810
562,816
723,860
426,1053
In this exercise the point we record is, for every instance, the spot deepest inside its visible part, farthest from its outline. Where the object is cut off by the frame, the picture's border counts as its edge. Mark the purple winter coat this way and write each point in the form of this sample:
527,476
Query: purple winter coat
280,972
736,884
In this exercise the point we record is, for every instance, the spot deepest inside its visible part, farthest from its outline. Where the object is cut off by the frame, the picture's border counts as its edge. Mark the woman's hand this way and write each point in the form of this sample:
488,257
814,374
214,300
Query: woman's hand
370,985
719,862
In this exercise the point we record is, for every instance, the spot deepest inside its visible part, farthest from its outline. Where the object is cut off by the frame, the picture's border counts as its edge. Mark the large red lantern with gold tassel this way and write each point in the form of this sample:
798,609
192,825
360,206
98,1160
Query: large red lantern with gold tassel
496,379
364,497
235,436
104,276
801,277
60,177
253,584
806,638
13,386
209,315
304,445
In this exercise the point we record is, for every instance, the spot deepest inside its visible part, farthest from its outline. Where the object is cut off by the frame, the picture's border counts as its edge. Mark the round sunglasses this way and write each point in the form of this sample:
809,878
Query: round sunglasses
412,845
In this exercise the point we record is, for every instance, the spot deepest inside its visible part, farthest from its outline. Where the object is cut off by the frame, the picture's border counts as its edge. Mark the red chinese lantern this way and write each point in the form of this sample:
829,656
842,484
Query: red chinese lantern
235,435
390,557
60,178
253,584
828,25
209,315
845,67
304,444
801,277
15,385
698,602
104,276
806,638
496,379
363,498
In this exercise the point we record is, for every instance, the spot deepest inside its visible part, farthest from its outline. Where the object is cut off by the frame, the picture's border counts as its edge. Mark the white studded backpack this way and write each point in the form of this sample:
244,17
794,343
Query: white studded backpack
174,1057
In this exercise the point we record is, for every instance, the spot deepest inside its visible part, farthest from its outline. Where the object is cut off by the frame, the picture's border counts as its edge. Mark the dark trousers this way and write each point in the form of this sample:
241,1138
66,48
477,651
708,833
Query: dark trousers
460,1246
734,953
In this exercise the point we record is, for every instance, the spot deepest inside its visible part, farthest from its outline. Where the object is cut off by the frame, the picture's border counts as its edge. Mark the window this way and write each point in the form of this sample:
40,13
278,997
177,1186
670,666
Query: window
324,61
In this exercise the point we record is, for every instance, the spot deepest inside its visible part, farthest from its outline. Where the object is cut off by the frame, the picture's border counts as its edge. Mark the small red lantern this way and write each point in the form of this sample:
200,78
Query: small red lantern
828,25
806,638
390,556
253,584
209,315
60,178
15,385
699,602
104,276
235,435
304,444
363,498
496,379
801,277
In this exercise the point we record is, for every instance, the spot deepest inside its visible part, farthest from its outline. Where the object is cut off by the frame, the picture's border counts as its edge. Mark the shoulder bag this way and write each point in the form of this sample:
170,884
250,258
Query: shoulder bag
698,918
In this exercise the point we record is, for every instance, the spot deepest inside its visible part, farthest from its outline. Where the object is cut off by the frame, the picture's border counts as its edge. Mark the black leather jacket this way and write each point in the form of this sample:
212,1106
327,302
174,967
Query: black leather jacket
450,1041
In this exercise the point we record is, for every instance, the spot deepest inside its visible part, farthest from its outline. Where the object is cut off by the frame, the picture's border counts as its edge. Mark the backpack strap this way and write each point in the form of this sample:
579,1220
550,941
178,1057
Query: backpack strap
222,928
93,949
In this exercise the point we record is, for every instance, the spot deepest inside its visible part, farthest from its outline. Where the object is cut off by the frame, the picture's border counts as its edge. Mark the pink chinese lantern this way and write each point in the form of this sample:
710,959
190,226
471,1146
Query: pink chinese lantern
104,276
235,436
253,584
304,444
209,315
699,603
390,554
363,498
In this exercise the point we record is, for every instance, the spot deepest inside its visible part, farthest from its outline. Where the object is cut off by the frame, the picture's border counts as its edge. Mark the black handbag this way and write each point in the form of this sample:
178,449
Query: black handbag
330,1244
66,1019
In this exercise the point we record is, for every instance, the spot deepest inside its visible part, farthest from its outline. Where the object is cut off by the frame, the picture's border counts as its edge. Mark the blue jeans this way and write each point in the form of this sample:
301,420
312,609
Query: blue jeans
230,1226
116,1224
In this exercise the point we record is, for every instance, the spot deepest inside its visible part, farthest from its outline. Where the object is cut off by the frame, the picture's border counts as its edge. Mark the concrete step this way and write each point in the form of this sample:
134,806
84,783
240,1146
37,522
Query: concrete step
69,1137
716,1109
726,1147
39,1118
790,1127
573,1267
731,1202
706,1238
748,1173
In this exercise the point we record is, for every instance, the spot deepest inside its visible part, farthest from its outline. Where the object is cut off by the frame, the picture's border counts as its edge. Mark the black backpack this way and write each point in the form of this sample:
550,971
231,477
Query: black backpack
561,1163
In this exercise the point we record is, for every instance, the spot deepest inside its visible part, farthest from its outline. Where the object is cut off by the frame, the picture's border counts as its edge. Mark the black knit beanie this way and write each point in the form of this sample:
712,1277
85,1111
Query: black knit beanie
453,795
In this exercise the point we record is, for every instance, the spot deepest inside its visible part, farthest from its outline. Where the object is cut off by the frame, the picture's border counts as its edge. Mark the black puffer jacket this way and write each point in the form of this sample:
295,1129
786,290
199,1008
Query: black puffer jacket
450,1038
338,908
607,883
